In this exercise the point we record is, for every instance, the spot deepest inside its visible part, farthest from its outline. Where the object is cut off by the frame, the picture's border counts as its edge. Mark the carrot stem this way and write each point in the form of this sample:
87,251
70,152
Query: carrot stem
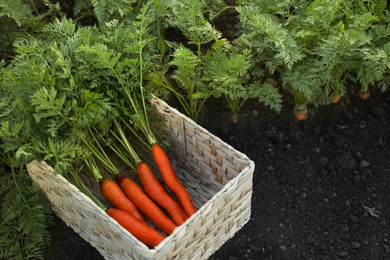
91,164
98,151
81,185
126,144
135,133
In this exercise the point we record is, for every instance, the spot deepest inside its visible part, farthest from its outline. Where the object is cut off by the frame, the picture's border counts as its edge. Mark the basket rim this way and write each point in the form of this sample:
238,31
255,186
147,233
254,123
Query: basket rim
186,119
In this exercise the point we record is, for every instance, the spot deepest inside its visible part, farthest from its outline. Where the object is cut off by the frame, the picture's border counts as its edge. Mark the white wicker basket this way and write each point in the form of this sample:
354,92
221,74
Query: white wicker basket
218,177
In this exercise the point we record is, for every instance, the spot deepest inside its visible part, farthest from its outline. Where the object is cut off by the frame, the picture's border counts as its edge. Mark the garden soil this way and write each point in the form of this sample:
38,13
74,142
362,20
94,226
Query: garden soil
321,187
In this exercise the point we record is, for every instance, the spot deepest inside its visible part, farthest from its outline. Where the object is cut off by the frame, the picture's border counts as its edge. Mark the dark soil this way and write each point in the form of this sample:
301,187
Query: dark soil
321,188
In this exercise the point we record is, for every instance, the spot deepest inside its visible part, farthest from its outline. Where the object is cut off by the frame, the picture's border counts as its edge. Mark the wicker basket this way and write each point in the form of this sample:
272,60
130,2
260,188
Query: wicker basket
218,178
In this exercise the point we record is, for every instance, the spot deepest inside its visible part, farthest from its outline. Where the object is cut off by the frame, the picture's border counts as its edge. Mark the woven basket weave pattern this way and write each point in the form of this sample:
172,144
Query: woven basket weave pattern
218,178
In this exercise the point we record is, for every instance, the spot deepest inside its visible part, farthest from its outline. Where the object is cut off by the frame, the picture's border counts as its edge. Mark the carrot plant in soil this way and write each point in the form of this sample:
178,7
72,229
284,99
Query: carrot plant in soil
205,65
317,47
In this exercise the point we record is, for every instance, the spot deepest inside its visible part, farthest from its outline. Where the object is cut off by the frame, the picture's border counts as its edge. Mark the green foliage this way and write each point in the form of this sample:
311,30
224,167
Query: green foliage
25,217
209,66
214,8
188,17
303,83
266,94
69,79
221,71
226,70
43,83
61,82
265,34
19,19
13,14
16,10
217,72
375,68
188,75
107,10
317,47
376,7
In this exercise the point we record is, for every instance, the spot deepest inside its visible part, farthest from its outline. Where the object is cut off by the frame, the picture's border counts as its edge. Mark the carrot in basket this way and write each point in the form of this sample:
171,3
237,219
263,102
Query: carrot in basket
170,178
113,193
158,193
152,186
145,204
140,230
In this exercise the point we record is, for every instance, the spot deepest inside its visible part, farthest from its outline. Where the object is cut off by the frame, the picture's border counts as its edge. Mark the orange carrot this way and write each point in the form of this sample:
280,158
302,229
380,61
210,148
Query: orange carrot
336,98
300,114
183,211
170,178
158,193
145,204
113,193
364,95
138,229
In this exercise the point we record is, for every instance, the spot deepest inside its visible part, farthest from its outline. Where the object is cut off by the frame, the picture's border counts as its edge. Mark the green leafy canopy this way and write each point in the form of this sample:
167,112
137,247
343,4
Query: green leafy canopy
24,218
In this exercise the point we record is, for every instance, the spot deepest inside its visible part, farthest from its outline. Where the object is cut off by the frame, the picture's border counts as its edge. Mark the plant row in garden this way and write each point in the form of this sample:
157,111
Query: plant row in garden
76,81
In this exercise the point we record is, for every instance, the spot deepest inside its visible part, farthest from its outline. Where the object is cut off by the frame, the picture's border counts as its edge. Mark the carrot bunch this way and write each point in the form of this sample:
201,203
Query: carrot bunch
136,206
152,200
165,206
